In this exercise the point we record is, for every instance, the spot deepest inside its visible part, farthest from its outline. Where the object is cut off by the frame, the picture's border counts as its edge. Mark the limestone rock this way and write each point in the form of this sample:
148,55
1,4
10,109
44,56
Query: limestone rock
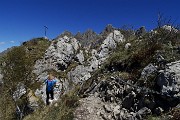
169,79
80,57
110,43
116,110
127,46
170,28
143,112
107,108
148,71
79,74
20,91
59,54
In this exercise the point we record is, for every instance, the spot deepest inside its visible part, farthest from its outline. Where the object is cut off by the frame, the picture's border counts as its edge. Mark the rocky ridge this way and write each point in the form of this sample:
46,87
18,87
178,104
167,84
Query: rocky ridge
64,51
109,96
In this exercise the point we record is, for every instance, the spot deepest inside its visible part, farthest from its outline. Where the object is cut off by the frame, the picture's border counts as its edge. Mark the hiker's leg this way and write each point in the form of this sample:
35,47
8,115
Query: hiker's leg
52,94
47,97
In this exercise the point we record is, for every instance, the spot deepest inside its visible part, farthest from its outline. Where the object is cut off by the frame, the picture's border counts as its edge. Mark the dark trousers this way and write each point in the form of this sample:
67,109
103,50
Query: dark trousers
51,93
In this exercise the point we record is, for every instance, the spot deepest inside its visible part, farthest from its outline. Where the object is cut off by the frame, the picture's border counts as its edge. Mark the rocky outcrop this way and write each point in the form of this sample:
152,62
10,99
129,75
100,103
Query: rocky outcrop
170,28
169,79
127,46
60,54
79,74
131,93
89,35
83,72
58,57
148,71
80,57
63,51
110,43
20,91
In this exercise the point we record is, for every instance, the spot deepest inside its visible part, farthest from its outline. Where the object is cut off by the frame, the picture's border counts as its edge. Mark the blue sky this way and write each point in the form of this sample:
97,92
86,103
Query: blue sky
22,20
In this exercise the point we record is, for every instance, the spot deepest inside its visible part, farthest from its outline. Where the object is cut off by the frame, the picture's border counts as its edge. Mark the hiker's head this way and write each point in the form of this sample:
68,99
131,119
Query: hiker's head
51,76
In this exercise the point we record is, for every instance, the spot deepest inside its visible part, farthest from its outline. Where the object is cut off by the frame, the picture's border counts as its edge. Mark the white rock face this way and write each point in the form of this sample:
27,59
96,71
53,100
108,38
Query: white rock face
127,46
75,44
170,28
169,79
80,57
19,92
94,63
59,54
110,43
82,73
116,110
107,46
79,74
148,70
64,50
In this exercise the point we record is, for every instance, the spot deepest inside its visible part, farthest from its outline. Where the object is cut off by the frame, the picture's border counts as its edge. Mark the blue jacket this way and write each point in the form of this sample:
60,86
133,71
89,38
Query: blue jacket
50,84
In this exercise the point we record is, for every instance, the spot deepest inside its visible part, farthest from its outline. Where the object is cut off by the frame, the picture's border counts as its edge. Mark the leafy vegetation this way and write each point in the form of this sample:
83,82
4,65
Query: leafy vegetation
16,67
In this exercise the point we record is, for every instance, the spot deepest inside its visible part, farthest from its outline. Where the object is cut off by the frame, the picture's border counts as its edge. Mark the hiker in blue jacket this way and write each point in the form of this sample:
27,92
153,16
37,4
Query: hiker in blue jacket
50,83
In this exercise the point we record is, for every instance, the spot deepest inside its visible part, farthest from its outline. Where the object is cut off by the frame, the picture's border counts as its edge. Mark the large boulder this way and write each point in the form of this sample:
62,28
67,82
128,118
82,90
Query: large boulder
143,112
148,71
79,74
59,54
169,79
110,43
